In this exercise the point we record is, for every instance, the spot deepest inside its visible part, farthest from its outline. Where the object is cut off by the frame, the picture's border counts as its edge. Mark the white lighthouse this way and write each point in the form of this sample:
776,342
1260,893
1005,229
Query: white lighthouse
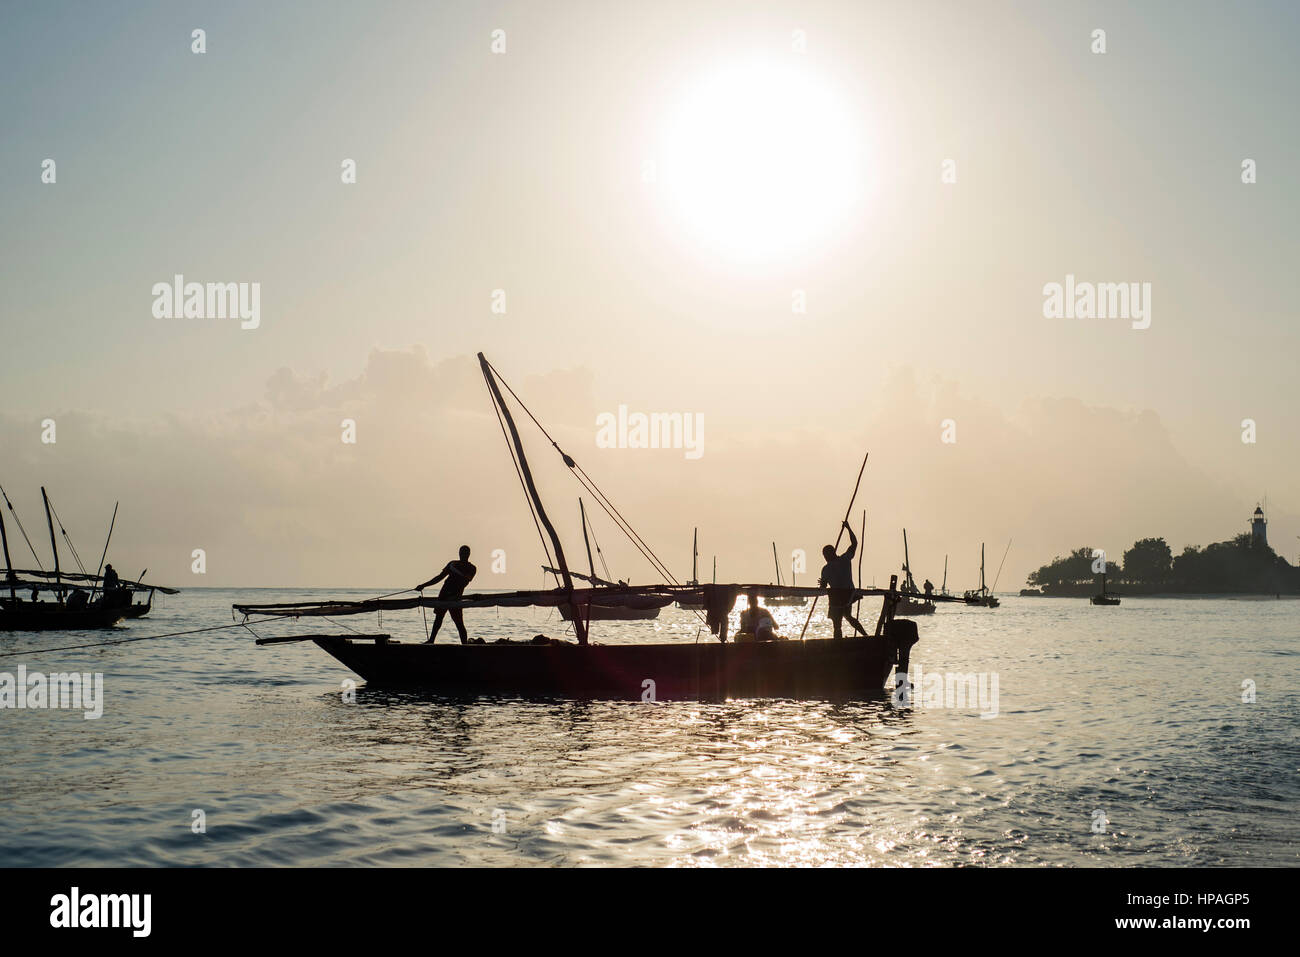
1259,529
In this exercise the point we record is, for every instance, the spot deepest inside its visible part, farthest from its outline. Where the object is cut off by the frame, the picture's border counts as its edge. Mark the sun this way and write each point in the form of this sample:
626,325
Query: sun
760,161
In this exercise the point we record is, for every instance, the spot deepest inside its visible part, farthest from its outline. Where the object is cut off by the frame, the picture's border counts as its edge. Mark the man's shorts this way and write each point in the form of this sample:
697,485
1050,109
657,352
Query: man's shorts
840,600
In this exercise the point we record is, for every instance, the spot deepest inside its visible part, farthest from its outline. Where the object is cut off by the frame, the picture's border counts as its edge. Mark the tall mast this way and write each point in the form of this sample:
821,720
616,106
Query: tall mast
579,626
777,562
587,541
981,566
943,589
695,557
54,543
4,538
907,561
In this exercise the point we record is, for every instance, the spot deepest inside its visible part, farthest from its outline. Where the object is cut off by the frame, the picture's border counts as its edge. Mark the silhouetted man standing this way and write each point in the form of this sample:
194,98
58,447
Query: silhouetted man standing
837,576
458,574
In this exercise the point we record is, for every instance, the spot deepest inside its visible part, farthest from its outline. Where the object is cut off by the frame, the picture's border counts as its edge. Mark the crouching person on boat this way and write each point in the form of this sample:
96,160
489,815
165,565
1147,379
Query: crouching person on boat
756,622
837,576
458,574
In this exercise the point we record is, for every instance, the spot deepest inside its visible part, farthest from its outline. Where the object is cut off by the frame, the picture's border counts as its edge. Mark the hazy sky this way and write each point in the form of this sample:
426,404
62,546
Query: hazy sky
653,185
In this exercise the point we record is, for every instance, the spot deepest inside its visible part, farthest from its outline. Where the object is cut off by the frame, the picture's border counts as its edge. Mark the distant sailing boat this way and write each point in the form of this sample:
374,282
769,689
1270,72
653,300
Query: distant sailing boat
617,607
911,603
696,603
784,599
75,605
982,596
1105,598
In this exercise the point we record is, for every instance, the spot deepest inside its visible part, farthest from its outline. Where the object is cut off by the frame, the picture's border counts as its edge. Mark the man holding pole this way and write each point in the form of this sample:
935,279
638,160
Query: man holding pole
458,574
837,576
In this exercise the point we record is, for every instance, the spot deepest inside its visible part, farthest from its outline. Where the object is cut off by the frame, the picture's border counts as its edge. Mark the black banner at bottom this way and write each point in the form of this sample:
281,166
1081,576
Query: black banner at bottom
1172,907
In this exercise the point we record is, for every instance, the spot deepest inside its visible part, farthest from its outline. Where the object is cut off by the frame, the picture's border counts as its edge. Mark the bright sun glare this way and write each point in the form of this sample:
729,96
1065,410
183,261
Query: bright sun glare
761,160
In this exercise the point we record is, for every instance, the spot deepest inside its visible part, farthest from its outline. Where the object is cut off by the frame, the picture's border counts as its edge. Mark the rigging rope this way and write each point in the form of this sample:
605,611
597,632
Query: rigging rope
599,553
589,484
64,532
19,522
624,525
532,509
123,641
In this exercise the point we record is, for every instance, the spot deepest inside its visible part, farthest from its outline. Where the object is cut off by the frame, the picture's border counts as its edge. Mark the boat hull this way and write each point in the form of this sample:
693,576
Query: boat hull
620,612
26,617
908,607
822,668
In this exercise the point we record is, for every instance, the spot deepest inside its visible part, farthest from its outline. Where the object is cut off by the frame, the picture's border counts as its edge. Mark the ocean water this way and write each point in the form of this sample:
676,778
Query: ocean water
1122,737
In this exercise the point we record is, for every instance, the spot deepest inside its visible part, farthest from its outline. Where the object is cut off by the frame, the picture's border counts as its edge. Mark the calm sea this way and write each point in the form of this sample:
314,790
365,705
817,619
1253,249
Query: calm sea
1120,738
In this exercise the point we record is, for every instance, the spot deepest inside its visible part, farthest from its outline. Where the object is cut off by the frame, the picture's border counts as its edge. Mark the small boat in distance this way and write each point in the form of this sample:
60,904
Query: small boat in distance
911,603
784,599
1104,597
981,596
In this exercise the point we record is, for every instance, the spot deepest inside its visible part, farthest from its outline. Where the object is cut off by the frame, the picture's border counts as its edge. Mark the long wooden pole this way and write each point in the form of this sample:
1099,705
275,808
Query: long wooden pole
104,553
847,512
9,566
579,626
1000,564
862,547
54,543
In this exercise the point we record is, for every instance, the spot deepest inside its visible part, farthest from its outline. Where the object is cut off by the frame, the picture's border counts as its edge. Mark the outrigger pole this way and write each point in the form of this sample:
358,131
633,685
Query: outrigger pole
579,626
847,512
54,543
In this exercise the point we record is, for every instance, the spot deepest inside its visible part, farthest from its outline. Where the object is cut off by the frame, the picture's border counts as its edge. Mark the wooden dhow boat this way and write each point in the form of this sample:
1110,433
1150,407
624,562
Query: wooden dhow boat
1104,597
816,668
913,602
77,600
982,597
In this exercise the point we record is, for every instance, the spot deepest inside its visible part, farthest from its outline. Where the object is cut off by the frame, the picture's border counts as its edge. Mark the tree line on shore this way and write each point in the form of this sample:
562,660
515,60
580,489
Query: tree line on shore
1238,566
